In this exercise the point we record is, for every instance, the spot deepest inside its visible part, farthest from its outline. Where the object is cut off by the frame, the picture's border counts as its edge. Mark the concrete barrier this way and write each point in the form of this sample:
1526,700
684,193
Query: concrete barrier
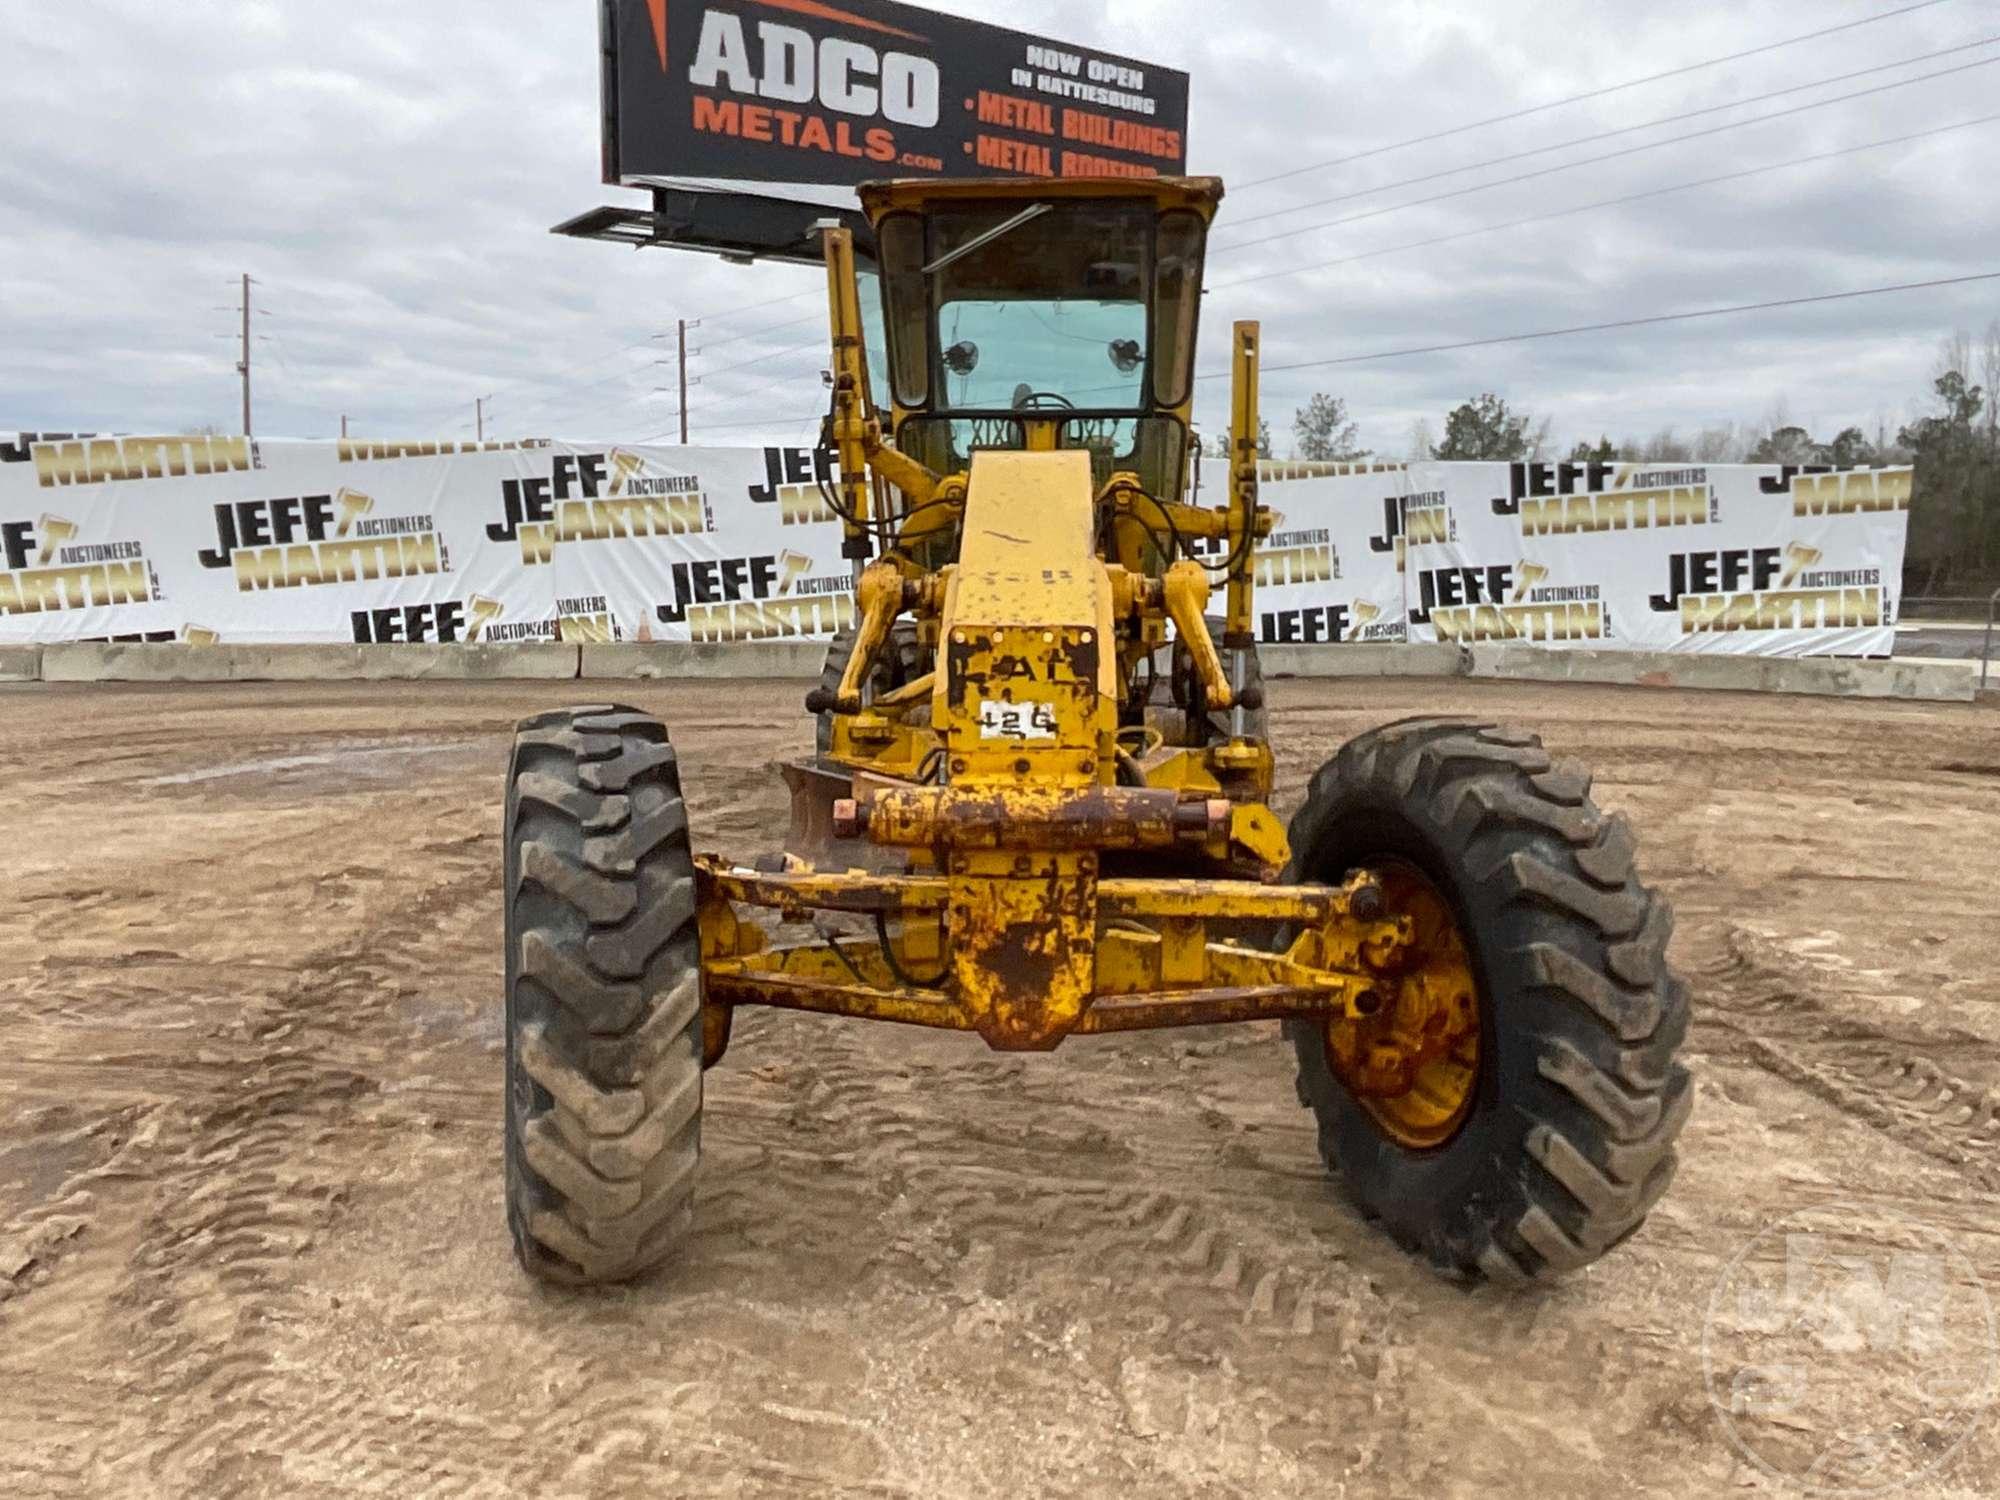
782,660
1932,681
1369,659
524,663
1929,680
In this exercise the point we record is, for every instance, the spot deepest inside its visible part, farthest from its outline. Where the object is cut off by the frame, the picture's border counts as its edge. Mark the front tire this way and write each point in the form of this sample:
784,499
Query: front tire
604,1042
1566,1138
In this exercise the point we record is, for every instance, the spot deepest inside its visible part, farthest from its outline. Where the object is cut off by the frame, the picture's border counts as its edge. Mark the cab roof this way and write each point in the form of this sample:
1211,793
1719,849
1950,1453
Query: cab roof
917,194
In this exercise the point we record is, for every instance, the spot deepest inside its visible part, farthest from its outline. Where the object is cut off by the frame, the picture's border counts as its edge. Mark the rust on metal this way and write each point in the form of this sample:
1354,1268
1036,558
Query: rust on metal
1414,1061
961,822
716,1022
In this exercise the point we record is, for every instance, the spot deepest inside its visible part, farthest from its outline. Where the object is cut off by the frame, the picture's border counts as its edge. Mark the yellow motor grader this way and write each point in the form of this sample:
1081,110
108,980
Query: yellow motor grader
1039,808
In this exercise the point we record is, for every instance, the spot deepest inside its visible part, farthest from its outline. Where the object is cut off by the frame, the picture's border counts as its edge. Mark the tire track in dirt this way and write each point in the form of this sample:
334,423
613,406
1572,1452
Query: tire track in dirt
1766,999
227,1394
248,1179
952,1183
36,1239
1188,1313
978,1277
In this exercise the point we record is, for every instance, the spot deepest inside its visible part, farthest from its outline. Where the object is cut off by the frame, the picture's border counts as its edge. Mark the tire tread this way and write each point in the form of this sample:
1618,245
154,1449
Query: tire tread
1584,944
604,1003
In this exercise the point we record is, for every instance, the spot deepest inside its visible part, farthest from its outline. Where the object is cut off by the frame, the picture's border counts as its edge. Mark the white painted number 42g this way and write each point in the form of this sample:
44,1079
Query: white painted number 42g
1016,721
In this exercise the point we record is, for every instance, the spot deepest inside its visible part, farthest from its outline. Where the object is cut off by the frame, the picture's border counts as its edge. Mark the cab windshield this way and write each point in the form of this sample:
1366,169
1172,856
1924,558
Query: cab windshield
1080,313
1006,306
1046,354
1042,307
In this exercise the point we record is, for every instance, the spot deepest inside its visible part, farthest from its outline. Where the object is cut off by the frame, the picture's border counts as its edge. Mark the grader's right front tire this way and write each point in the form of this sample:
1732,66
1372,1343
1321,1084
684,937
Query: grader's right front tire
1546,1135
604,1045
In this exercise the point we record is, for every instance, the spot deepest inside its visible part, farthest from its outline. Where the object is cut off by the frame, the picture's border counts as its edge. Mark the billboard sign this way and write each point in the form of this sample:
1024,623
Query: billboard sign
847,91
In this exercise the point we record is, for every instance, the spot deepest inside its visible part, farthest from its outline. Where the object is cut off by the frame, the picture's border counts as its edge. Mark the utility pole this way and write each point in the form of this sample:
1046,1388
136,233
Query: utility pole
343,426
684,382
243,368
479,417
682,325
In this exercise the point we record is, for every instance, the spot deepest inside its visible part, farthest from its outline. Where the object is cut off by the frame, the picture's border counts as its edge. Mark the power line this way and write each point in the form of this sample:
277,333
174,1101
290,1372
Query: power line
762,358
717,317
1522,114
1589,161
545,409
733,399
555,400
550,382
1563,213
556,381
759,332
736,398
1606,135
1556,333
766,422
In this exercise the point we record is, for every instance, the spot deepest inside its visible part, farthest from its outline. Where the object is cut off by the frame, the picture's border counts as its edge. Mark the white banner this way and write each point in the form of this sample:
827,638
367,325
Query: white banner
206,539
219,539
1738,559
1331,570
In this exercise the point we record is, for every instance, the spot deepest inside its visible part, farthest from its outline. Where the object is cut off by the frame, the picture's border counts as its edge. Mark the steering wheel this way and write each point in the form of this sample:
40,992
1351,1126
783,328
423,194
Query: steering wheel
1032,400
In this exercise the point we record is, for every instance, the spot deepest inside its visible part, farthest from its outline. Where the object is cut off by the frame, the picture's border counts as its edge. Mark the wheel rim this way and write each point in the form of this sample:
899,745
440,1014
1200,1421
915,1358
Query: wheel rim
1414,1066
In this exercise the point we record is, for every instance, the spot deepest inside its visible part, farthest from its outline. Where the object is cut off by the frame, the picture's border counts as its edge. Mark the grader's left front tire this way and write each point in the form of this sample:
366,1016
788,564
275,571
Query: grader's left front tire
604,1044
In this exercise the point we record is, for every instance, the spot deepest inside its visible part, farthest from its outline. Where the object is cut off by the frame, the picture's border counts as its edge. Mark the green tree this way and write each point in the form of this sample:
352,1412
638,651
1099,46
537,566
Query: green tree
1788,445
1324,432
1484,428
1955,517
1851,450
1606,452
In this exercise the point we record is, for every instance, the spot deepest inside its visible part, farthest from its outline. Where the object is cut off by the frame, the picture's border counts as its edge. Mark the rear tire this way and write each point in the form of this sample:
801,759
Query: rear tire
604,1039
1578,1098
899,664
1177,709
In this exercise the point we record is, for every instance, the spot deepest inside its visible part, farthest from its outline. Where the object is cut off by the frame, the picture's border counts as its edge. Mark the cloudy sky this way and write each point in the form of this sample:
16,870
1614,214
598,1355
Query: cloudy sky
389,173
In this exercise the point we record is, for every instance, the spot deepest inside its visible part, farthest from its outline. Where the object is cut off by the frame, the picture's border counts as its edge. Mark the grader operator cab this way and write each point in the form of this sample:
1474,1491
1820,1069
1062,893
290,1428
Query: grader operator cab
1040,803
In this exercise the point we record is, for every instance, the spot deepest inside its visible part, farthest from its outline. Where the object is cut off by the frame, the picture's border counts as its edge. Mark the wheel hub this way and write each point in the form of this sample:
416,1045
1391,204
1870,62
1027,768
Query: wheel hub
1414,1066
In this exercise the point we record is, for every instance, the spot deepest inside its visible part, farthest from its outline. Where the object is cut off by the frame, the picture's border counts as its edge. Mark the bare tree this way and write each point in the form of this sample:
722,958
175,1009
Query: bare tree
1955,357
1989,377
1666,447
1721,444
1219,445
1423,441
1541,442
1887,449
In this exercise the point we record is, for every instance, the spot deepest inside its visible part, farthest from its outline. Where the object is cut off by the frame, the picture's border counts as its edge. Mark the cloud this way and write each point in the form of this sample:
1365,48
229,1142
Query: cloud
389,173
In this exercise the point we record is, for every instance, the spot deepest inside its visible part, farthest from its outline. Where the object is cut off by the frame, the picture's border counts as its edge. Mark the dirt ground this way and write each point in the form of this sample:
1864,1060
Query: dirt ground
251,1240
